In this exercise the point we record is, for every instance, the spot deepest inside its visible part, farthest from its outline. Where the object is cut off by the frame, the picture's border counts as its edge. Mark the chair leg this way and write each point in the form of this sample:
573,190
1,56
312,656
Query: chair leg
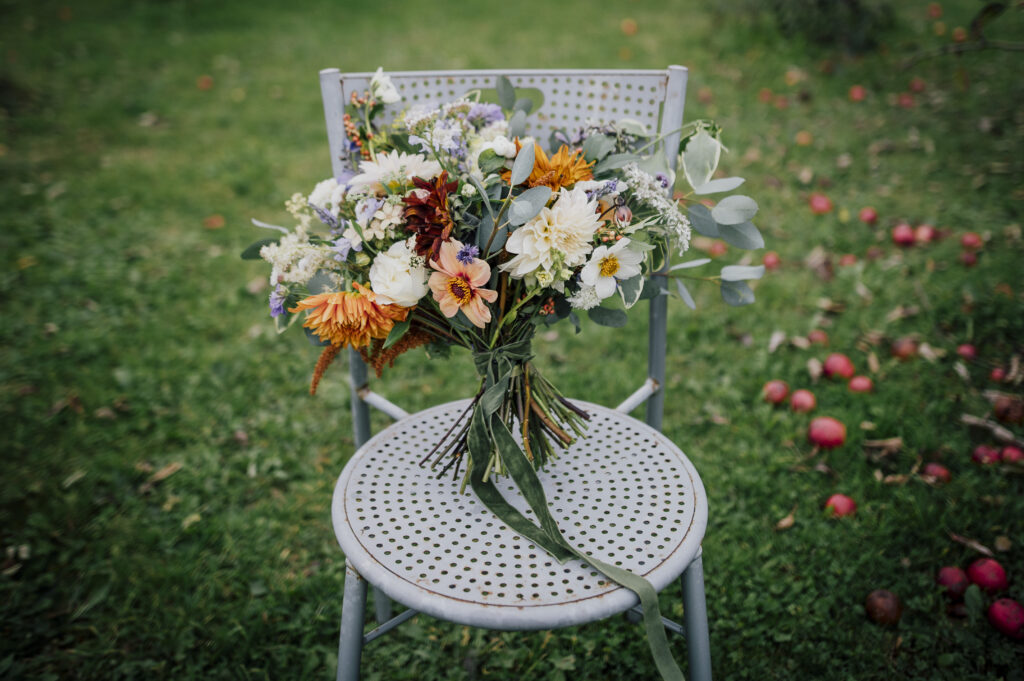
381,606
350,640
698,641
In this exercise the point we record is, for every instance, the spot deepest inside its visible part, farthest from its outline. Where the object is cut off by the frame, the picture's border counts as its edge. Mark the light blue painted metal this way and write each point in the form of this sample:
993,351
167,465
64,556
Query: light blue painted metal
642,393
695,614
350,640
390,624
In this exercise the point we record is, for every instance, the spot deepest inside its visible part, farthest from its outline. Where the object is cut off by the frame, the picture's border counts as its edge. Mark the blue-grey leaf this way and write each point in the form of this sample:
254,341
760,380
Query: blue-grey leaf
517,125
725,184
252,251
701,220
684,293
506,93
615,161
523,165
735,209
692,263
742,272
597,147
744,235
607,317
528,204
737,293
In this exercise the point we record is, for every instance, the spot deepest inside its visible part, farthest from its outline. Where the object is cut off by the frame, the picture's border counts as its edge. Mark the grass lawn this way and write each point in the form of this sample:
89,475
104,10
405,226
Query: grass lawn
165,479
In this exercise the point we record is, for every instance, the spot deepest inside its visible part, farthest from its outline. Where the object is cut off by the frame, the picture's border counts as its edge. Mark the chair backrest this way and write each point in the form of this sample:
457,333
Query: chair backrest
569,97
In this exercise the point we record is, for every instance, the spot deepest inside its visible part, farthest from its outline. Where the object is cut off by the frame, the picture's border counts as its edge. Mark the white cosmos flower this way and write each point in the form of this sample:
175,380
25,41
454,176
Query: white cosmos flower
610,264
398,276
393,168
567,227
383,89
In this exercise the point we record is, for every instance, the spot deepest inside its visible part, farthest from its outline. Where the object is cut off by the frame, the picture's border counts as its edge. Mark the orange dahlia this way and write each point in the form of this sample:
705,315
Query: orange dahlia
561,170
350,317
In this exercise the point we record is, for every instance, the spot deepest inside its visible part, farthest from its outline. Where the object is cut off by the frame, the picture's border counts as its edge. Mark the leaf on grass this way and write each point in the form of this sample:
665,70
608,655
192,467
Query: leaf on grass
800,342
777,339
786,522
873,364
902,312
1003,543
972,544
825,469
867,425
961,370
190,520
929,353
814,368
885,447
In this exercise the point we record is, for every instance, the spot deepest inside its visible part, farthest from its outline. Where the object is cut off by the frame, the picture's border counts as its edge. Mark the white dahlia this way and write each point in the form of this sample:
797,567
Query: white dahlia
394,169
567,227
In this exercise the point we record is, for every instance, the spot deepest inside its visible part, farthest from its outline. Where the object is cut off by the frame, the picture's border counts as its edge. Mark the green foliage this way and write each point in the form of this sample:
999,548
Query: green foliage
856,25
132,339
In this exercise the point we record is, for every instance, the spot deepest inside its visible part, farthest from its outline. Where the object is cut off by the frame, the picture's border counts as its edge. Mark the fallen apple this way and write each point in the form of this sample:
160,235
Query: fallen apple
967,351
937,471
971,241
985,455
819,203
903,234
953,581
988,574
840,505
802,401
968,258
916,85
925,234
861,384
817,337
998,374
771,260
775,391
883,607
1009,409
838,364
904,348
1007,615
857,93
826,432
868,215
847,259
1011,454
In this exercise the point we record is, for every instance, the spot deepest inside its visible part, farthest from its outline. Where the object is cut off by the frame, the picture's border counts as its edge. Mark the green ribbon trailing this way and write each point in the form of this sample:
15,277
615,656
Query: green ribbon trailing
486,432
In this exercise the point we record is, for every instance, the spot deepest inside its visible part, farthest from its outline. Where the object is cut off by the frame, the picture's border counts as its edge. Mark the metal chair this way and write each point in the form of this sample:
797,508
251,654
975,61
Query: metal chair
638,502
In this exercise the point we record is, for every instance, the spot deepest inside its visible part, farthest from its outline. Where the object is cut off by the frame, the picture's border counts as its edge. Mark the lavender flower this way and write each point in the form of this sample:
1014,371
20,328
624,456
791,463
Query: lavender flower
342,247
366,208
483,114
277,300
607,188
324,216
467,254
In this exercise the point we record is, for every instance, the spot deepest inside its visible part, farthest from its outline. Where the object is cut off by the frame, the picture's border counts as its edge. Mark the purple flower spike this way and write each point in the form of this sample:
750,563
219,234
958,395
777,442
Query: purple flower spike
467,254
277,300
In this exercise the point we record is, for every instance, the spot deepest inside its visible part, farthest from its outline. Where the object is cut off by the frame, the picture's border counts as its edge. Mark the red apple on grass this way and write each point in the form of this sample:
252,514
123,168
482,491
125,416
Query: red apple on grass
771,260
925,234
916,85
905,100
1011,454
857,93
967,351
937,471
971,241
840,505
861,384
818,337
903,235
998,374
868,215
953,581
883,607
1007,615
987,574
968,258
802,401
819,203
775,391
838,364
847,259
904,348
826,432
985,455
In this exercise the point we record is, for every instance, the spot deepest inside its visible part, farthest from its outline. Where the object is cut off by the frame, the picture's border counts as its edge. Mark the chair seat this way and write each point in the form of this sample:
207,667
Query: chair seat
623,493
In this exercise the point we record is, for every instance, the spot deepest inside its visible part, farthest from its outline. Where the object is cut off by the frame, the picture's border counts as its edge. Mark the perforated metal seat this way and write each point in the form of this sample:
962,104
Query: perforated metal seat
624,493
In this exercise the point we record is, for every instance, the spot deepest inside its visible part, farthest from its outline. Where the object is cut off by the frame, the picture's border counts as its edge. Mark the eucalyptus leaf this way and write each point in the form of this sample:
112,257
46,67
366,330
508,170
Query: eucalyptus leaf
523,166
630,290
737,293
252,251
651,290
742,272
614,162
575,321
691,263
524,104
315,339
517,125
684,293
735,209
597,147
607,317
725,184
632,127
396,333
490,162
506,93
701,220
320,283
700,160
284,321
528,204
744,235
483,196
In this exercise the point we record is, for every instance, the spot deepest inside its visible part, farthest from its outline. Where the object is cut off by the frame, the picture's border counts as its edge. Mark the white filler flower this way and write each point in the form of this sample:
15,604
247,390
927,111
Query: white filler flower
398,277
383,89
566,227
610,264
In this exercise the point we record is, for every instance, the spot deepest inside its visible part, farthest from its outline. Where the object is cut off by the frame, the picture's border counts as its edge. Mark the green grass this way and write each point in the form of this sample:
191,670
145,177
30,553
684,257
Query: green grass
131,340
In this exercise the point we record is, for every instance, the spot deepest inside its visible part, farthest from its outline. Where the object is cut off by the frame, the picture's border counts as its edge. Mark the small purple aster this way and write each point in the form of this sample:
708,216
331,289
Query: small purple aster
483,114
341,248
467,254
366,208
277,300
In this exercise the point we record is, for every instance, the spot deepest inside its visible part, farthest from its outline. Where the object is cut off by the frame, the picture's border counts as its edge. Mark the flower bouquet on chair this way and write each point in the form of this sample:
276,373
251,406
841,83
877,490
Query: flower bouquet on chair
455,228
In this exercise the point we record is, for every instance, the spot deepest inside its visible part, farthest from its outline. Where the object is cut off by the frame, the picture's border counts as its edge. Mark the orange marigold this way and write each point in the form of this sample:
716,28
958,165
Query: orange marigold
561,170
350,317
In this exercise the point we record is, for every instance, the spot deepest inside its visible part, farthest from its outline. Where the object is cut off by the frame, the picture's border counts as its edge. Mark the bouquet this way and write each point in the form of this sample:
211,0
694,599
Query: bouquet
455,228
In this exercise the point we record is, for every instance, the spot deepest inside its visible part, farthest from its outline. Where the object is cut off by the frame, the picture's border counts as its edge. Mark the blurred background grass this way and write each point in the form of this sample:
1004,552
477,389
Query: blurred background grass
138,138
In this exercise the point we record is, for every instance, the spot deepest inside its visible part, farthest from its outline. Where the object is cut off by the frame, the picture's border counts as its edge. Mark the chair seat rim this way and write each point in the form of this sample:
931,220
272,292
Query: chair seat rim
525,615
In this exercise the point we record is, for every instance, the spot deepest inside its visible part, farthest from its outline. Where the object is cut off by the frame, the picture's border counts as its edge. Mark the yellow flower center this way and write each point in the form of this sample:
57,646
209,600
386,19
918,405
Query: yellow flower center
609,266
460,290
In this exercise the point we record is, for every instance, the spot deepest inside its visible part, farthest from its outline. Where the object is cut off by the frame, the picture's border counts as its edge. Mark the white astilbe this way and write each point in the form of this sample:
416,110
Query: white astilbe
649,191
295,260
585,298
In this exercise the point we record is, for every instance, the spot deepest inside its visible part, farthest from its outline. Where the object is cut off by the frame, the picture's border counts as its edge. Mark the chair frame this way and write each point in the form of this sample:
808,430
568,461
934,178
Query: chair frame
651,392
